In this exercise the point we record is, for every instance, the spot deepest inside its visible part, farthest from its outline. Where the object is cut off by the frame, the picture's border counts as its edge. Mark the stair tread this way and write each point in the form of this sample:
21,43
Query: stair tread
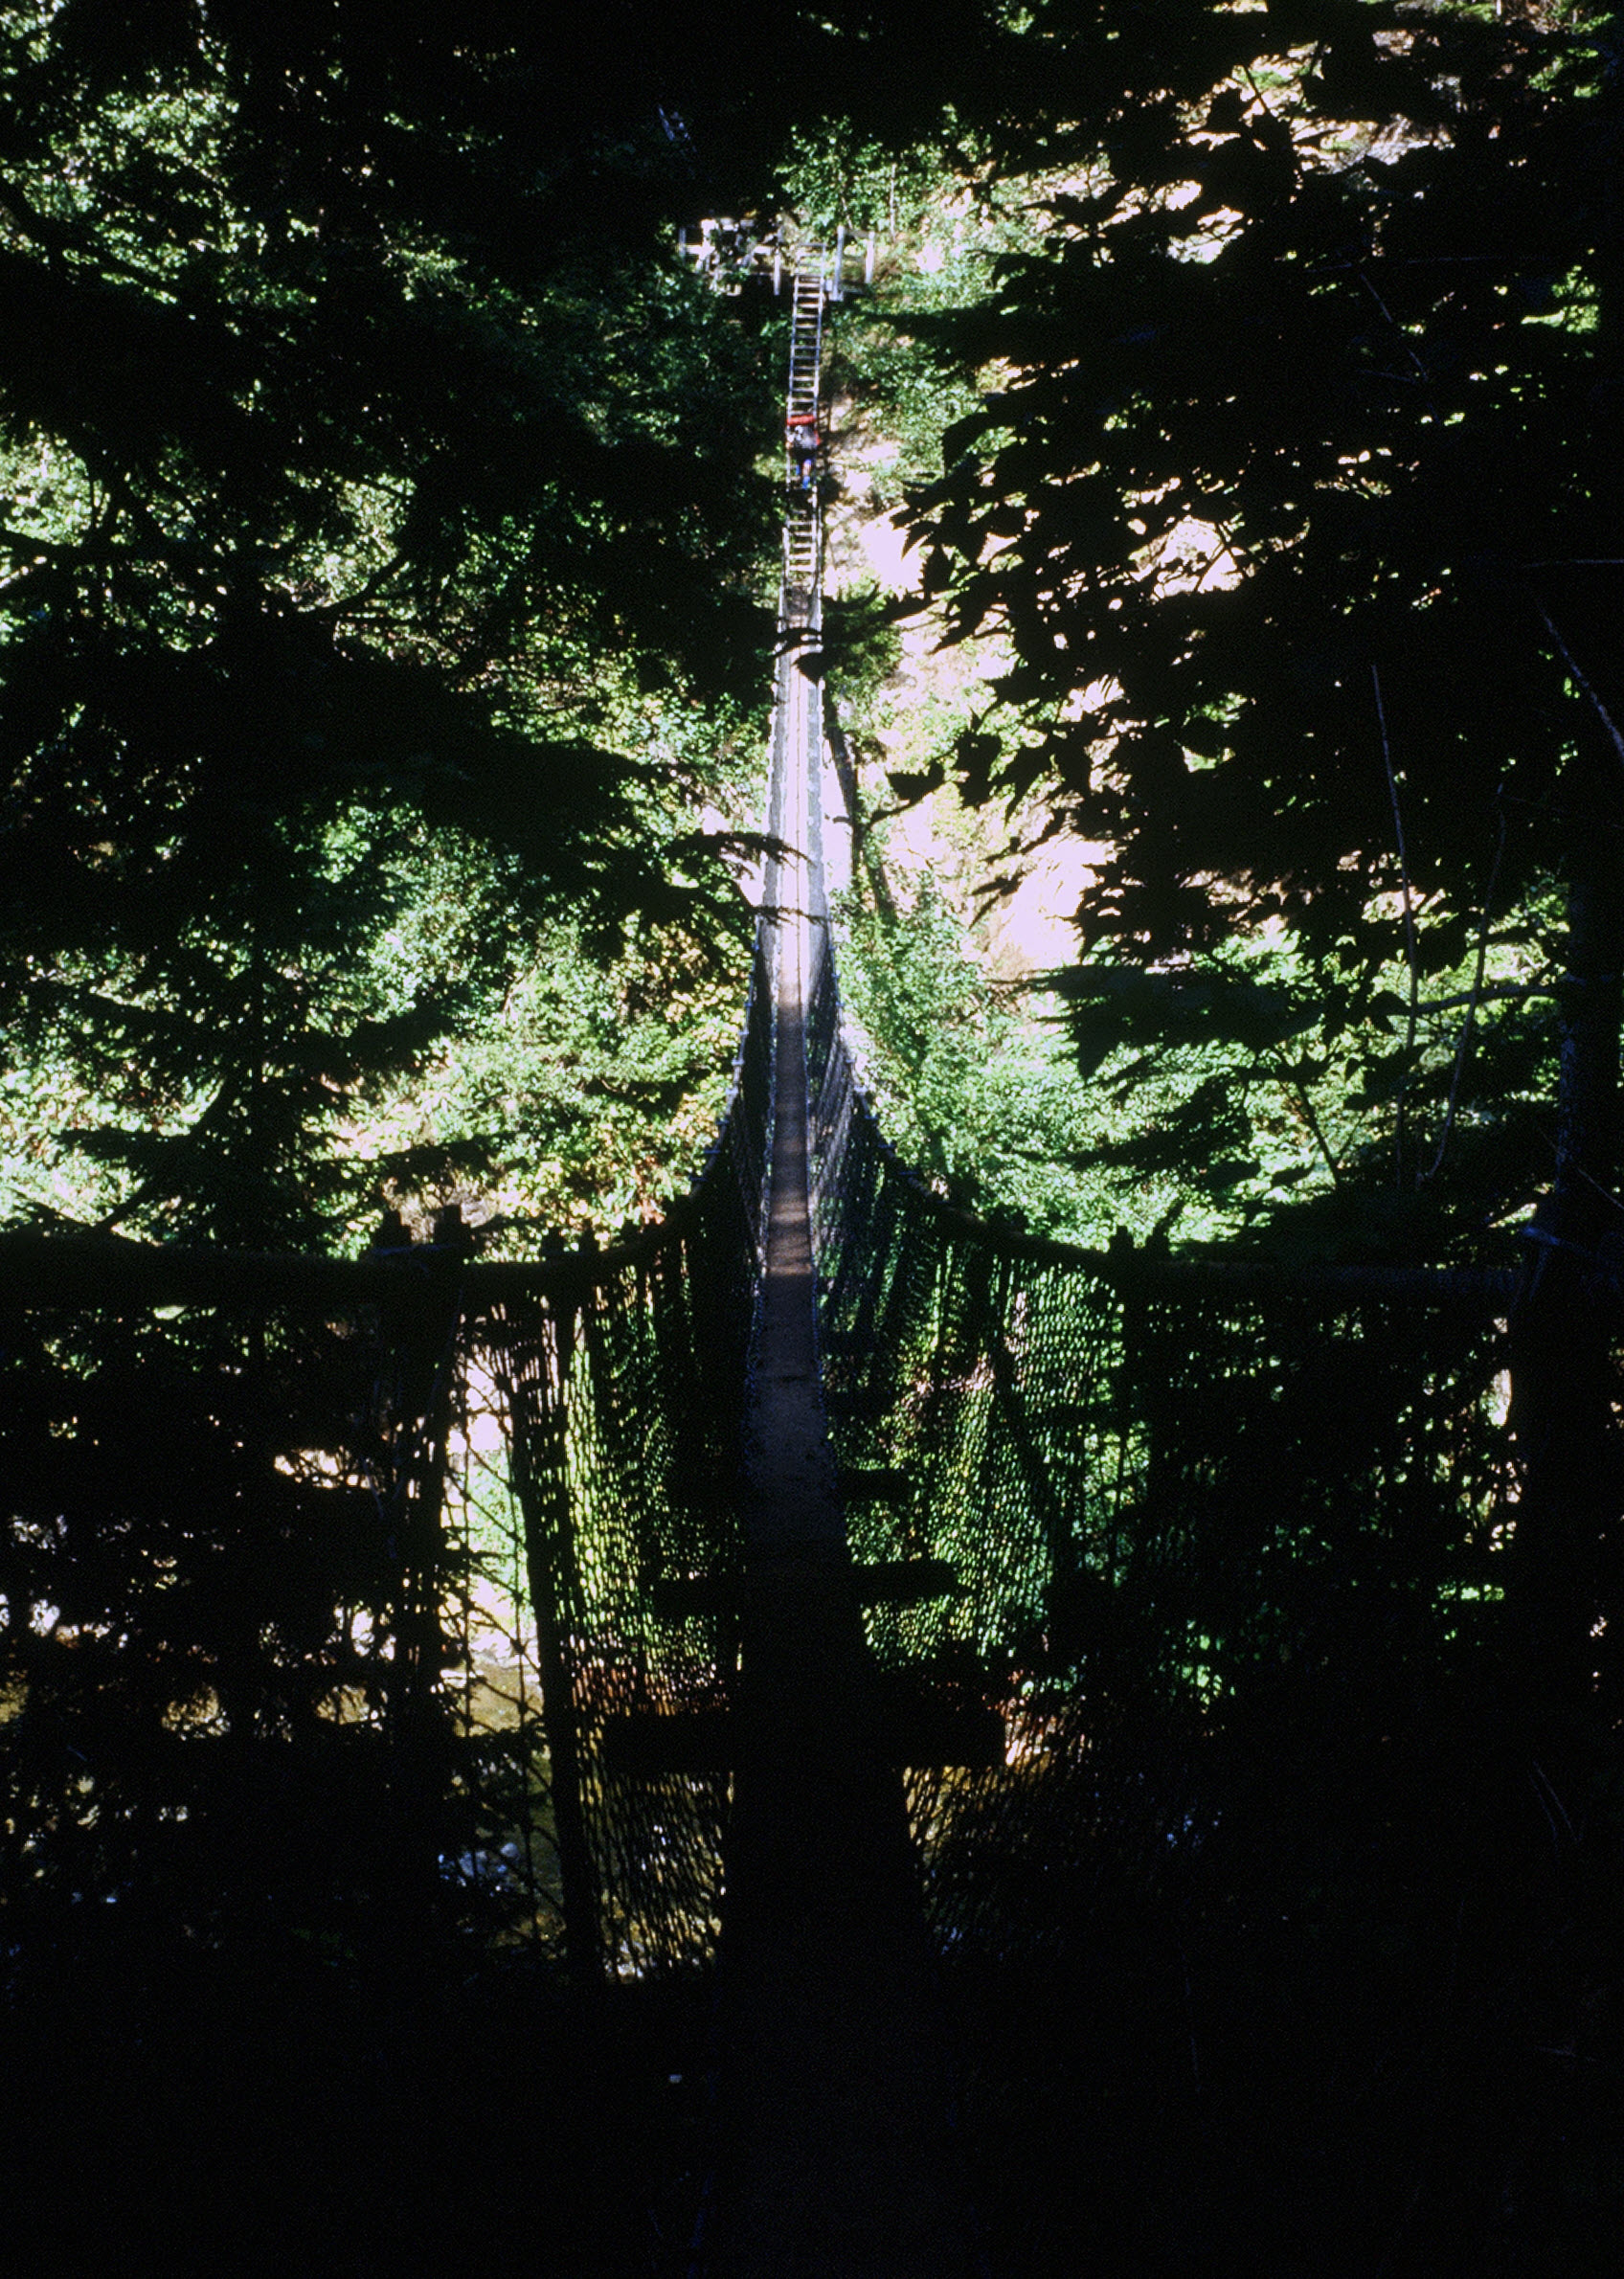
923,1731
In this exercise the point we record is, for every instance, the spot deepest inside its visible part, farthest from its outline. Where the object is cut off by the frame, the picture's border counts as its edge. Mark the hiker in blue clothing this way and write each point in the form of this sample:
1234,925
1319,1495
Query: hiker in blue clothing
802,438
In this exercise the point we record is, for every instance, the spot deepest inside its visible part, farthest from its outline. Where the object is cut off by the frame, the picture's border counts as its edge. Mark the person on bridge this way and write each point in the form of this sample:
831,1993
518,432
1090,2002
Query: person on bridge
802,440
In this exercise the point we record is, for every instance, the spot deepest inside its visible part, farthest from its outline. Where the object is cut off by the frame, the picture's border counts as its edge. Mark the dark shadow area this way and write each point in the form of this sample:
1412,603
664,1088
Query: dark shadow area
300,2110
1369,2025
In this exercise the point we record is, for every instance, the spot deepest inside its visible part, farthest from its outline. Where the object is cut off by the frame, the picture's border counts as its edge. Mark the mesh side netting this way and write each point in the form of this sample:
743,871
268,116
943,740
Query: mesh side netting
1194,1530
622,1394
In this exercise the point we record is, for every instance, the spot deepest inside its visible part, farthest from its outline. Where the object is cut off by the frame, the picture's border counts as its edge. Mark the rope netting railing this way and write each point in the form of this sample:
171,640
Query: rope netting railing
621,1397
1198,1519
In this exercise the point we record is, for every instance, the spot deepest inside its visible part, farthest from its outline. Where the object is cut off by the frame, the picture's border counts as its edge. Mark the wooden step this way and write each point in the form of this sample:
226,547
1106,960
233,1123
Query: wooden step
876,1583
876,1486
689,1742
906,1582
928,1733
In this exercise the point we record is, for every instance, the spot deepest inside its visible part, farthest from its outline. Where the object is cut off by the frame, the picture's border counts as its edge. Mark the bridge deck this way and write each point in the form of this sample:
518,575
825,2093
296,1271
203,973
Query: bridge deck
833,2100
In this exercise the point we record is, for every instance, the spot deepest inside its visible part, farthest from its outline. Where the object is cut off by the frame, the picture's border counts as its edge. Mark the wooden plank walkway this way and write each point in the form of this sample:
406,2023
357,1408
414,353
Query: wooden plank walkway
833,2159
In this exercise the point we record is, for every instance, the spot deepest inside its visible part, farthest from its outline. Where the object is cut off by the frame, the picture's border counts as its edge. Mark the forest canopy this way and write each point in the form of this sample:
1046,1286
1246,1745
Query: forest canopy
384,503
1291,496
388,546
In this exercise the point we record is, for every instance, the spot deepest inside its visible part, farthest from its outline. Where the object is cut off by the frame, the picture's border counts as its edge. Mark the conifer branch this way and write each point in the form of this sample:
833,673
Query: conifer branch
1580,682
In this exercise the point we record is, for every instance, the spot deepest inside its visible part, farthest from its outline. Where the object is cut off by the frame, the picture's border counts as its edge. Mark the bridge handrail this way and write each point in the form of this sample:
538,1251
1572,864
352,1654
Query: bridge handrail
56,1269
1125,1266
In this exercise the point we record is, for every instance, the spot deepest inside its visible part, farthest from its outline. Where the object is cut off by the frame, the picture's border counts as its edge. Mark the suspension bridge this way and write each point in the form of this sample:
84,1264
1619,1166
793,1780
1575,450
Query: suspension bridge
893,1586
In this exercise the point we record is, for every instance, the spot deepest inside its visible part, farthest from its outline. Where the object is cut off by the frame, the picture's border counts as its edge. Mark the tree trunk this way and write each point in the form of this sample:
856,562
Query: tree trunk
1563,1375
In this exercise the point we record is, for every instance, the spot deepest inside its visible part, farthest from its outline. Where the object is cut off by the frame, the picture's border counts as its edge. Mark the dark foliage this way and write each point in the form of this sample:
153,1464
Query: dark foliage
220,1626
1298,504
359,426
331,2111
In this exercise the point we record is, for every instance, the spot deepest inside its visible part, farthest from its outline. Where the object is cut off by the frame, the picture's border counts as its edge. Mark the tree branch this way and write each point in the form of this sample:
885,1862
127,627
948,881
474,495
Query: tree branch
1567,657
1476,997
1298,1091
1408,926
